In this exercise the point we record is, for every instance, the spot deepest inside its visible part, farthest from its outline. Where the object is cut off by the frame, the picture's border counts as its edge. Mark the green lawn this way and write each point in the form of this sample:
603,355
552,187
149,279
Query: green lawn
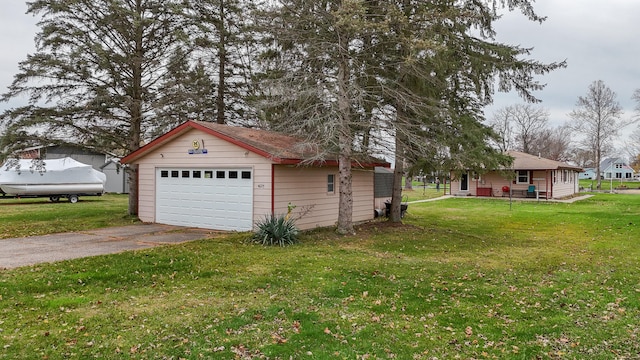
464,278
38,216
606,185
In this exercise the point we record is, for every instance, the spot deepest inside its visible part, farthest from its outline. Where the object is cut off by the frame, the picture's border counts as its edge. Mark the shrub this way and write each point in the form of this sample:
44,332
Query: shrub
276,230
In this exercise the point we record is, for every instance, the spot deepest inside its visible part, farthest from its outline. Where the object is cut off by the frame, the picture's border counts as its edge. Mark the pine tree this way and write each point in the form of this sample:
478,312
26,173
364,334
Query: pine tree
94,78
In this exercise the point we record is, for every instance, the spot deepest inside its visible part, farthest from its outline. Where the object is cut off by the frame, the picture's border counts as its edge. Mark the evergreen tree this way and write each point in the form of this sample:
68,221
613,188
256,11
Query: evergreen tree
94,78
419,72
227,46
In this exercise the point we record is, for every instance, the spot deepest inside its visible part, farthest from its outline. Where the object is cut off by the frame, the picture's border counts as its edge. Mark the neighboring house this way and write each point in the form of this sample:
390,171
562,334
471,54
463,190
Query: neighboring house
530,176
616,168
214,176
116,178
588,174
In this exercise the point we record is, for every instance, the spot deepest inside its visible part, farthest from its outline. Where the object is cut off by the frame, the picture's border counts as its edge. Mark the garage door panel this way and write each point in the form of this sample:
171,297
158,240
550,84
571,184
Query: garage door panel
208,202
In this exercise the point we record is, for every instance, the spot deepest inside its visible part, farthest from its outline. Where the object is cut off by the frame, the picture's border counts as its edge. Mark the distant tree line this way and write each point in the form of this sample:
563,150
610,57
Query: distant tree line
585,141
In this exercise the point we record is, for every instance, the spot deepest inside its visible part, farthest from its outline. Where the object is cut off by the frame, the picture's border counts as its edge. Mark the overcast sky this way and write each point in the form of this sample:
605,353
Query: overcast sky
599,40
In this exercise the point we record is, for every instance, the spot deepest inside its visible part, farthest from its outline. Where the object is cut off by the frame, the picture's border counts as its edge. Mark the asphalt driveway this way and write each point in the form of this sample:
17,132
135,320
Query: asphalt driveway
32,250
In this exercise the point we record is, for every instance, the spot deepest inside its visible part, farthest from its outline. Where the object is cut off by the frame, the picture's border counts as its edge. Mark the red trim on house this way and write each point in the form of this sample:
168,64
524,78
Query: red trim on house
193,125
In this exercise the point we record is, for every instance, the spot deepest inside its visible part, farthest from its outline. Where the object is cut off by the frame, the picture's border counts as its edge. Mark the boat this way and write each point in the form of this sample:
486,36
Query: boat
55,178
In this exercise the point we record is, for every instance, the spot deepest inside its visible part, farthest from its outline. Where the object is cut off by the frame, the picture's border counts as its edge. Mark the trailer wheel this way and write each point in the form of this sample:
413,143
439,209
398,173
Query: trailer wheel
54,198
73,199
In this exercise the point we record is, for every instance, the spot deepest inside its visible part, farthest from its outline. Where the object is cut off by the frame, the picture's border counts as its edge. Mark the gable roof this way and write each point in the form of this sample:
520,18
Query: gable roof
279,148
524,161
610,162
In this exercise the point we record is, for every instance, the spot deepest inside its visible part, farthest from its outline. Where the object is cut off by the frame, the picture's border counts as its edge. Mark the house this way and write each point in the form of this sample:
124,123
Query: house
588,174
616,168
529,176
117,180
117,177
215,176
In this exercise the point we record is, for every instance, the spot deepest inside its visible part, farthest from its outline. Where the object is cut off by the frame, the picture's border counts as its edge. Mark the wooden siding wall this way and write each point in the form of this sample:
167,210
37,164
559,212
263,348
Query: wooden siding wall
220,154
556,190
306,188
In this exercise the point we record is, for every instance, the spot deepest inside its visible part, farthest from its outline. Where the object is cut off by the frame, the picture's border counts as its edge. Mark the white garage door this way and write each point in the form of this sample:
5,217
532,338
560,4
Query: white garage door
208,198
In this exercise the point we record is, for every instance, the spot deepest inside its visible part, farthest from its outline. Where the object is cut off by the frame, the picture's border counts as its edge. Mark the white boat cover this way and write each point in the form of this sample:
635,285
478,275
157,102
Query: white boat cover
59,176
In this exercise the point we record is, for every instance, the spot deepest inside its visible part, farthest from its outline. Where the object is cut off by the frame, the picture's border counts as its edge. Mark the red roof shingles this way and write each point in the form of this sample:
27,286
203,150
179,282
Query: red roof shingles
280,148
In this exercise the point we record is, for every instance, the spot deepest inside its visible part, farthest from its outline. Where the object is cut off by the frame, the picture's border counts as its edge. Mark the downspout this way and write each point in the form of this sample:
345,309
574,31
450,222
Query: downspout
273,190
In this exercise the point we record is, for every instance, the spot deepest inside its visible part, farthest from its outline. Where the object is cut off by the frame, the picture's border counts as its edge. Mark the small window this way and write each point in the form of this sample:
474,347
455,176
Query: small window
220,175
197,174
186,173
331,183
233,174
523,176
175,174
208,174
164,173
246,174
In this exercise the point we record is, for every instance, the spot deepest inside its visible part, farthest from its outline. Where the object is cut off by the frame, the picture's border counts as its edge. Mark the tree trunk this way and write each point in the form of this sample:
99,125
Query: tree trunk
222,58
396,196
408,183
345,139
136,112
132,173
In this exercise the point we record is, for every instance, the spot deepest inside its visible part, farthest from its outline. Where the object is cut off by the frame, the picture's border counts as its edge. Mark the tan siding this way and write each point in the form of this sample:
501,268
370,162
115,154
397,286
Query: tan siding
542,180
220,154
306,188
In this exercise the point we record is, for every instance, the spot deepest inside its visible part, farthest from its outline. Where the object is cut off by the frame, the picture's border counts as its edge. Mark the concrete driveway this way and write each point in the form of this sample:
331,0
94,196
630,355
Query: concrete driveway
32,250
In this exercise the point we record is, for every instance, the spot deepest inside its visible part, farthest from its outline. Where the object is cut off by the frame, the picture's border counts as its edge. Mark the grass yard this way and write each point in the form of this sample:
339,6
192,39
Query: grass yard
606,185
39,216
464,278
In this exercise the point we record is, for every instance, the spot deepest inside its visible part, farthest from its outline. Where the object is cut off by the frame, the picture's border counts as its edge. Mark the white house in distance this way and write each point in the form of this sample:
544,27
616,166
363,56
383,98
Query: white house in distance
616,169
214,176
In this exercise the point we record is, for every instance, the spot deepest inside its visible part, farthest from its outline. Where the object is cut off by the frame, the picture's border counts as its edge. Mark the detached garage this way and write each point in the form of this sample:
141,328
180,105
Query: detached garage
221,177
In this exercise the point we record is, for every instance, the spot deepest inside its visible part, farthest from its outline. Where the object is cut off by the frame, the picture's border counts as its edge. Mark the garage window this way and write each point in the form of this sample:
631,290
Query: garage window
233,174
246,174
219,174
208,174
164,173
186,173
175,174
197,174
331,178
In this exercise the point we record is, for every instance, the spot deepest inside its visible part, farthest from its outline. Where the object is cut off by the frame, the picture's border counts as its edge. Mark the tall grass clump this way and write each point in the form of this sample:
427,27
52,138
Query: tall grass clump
276,230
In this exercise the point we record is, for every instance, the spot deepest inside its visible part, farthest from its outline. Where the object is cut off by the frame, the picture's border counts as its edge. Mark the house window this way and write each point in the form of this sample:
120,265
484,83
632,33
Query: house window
608,176
331,183
628,175
618,166
618,175
523,177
